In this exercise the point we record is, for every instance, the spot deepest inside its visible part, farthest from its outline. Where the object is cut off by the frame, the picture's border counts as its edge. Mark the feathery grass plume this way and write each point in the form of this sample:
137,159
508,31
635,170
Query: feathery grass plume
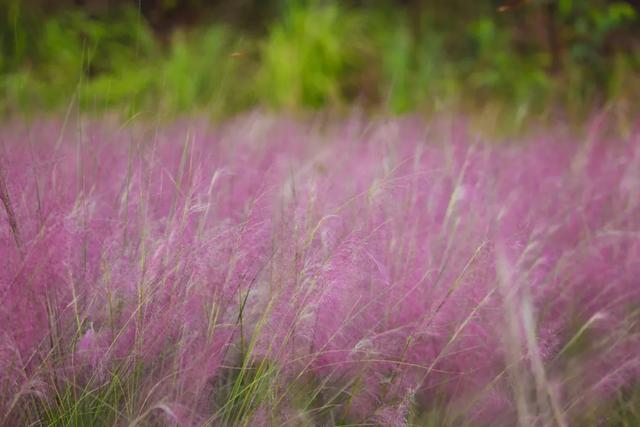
268,272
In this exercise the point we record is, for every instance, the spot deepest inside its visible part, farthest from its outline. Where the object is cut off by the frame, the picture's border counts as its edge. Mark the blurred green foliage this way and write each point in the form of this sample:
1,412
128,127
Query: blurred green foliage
205,70
399,56
304,57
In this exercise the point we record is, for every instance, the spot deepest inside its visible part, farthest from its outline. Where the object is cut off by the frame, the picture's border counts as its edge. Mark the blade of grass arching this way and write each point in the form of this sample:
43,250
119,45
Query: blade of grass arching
65,122
453,197
179,179
118,392
92,406
255,391
91,409
328,403
133,387
36,181
547,397
247,359
168,377
609,344
205,215
238,390
456,333
240,321
159,405
125,198
8,208
235,406
580,333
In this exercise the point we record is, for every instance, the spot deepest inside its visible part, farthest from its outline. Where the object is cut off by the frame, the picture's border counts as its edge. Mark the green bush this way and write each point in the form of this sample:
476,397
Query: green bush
99,60
306,59
492,68
209,69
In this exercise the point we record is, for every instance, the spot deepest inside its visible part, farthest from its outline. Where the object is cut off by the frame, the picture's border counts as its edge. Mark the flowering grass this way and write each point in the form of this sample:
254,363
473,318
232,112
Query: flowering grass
269,272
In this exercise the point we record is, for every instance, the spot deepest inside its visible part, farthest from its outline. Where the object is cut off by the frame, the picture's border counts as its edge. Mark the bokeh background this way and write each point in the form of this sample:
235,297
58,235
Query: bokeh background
514,59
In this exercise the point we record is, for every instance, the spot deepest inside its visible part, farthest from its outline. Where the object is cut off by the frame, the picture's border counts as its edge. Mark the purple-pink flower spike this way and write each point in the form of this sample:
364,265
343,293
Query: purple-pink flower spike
366,272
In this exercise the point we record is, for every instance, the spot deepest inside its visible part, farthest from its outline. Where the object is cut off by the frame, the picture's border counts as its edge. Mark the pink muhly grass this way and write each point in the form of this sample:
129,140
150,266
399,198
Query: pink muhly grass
270,273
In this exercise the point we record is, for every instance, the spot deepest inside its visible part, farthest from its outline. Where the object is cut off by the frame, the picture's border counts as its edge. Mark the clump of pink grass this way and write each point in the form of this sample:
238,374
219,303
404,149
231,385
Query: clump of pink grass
267,272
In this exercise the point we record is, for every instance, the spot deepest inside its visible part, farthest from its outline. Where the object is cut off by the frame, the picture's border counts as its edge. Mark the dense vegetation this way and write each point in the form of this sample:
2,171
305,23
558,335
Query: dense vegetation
270,274
317,260
222,57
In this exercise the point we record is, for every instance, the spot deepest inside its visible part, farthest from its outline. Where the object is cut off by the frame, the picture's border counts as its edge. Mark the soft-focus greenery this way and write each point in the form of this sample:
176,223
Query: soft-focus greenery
399,56
305,59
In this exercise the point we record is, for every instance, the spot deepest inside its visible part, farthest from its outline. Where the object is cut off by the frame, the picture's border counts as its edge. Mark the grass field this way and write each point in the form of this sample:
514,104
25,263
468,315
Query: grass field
270,272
